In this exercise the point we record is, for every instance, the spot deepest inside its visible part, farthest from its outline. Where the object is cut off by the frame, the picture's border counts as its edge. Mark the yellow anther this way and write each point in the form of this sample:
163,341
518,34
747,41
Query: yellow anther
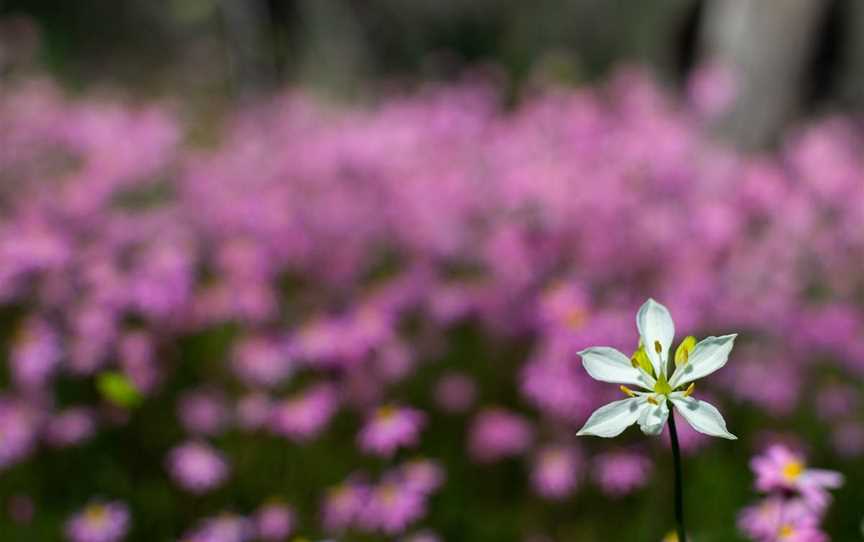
690,389
640,360
653,401
793,470
658,347
627,391
786,531
682,353
671,537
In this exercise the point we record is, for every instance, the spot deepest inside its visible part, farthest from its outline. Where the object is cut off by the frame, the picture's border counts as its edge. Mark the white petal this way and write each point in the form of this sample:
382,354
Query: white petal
609,365
653,418
702,416
656,326
709,355
611,420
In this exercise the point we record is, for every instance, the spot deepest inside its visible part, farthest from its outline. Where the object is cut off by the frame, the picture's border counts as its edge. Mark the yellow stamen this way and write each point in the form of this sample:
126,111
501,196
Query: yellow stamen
682,353
652,401
690,389
671,537
793,470
627,391
786,531
640,360
658,347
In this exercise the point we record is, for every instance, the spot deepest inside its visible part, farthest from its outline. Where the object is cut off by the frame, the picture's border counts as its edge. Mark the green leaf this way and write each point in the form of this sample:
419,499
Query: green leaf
116,388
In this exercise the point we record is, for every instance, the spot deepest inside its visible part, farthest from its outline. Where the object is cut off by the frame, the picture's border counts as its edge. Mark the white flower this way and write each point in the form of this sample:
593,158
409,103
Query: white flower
647,371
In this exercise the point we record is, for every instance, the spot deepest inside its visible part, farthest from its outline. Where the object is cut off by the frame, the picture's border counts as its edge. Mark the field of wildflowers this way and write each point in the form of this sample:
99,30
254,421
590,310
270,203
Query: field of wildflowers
364,323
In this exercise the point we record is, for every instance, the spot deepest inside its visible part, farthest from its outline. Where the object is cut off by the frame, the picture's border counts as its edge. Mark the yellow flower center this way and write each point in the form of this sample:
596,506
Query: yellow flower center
671,537
386,412
662,386
793,470
786,531
95,513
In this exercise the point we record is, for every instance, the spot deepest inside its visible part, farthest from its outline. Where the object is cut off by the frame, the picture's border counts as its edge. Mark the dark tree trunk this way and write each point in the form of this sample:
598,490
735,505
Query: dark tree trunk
768,46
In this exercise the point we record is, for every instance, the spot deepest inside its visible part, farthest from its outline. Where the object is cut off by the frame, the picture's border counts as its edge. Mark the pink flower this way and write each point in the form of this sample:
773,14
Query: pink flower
343,505
390,428
303,417
496,434
781,469
253,411
422,475
261,361
19,424
556,472
274,522
99,522
621,473
776,519
848,438
70,427
197,467
564,308
392,507
455,392
224,528
35,354
203,412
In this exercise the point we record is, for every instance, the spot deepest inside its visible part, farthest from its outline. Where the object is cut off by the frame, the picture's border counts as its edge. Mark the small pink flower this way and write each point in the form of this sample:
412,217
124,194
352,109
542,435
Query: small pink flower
197,467
261,361
203,412
36,354
390,428
303,417
621,473
776,519
392,507
343,505
497,434
422,475
19,424
99,522
274,522
781,469
253,411
556,471
455,392
224,528
70,427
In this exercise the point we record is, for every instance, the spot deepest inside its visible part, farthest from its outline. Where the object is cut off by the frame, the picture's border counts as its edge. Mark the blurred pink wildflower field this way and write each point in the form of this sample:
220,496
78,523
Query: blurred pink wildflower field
364,322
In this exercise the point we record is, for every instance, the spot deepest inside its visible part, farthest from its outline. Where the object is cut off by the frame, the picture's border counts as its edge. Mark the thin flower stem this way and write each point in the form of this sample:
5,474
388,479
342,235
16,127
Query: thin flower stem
679,483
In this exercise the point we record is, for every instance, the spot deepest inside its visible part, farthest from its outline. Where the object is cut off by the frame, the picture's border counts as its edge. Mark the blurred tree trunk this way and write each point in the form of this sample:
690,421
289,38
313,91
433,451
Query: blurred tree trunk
767,45
851,77
250,46
334,55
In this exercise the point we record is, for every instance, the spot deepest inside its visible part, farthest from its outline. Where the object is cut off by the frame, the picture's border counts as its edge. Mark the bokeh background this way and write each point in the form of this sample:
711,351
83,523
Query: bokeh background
322,268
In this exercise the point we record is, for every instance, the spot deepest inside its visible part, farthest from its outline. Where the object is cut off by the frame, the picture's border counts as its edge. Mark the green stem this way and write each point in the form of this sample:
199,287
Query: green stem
679,483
